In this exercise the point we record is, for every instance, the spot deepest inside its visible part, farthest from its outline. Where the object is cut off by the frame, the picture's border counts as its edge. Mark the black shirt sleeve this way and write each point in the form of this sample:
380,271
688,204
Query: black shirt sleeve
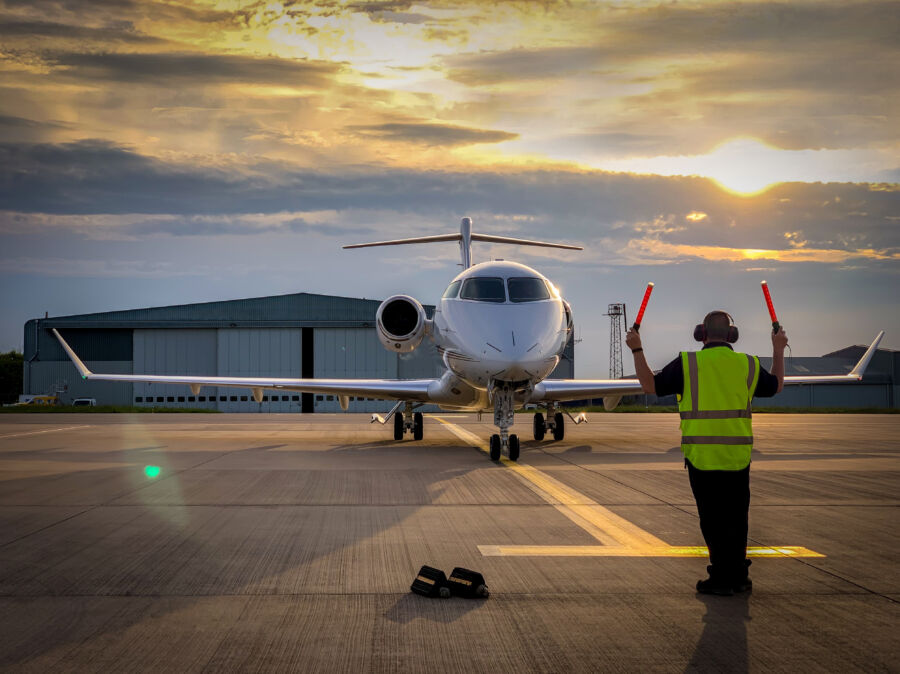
670,380
767,385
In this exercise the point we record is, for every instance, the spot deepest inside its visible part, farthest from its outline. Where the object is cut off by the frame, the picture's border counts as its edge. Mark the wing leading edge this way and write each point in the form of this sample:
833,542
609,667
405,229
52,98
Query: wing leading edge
409,389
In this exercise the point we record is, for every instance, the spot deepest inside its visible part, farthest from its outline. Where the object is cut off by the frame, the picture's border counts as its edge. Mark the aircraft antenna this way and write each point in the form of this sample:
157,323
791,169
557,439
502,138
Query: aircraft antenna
616,313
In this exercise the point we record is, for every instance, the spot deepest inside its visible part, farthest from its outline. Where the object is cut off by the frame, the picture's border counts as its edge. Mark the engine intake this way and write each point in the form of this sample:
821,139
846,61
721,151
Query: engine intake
401,323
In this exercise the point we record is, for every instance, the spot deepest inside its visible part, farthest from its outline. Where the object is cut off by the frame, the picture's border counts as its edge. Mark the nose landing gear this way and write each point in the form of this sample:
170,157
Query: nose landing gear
504,416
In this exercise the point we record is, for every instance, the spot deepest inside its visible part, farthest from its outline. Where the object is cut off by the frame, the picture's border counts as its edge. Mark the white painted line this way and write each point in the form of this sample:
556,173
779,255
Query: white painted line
49,430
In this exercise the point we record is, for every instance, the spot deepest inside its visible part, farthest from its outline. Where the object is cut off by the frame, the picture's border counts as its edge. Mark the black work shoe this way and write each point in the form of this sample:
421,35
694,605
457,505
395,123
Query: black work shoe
743,585
714,586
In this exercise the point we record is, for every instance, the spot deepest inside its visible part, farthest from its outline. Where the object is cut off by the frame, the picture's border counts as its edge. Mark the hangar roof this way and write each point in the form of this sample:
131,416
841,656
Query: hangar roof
293,310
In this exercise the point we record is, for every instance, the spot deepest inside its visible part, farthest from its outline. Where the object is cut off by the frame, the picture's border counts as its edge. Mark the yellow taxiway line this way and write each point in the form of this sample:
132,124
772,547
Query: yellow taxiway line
619,537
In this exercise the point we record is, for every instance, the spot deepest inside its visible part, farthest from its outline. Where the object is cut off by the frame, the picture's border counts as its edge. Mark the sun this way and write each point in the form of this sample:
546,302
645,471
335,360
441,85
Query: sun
744,166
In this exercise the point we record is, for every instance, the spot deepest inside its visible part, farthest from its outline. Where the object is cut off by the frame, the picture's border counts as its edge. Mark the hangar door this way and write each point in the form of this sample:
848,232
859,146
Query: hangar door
178,351
259,352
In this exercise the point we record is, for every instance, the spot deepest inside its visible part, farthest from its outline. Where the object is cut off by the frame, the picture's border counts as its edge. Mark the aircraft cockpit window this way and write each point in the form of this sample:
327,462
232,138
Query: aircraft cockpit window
452,290
527,290
483,290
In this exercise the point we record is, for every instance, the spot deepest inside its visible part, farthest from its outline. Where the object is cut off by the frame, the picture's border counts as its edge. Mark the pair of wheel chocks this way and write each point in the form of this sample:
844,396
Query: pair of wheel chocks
431,582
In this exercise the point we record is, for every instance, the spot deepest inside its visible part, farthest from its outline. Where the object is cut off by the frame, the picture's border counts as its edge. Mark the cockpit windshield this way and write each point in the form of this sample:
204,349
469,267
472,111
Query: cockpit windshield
452,290
527,290
483,290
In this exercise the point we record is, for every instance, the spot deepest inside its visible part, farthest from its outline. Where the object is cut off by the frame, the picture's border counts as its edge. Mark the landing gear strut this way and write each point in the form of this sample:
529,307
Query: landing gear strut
408,421
555,423
504,416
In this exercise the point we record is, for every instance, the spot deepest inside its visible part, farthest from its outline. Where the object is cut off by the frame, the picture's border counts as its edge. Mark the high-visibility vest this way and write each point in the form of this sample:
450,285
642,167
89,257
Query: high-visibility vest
716,420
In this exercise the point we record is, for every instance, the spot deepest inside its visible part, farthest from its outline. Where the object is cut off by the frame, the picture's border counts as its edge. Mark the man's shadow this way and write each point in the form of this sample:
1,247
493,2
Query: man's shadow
723,645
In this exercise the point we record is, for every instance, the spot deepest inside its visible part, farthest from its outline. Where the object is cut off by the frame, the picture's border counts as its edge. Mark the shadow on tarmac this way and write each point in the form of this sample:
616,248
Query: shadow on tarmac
723,644
412,606
177,537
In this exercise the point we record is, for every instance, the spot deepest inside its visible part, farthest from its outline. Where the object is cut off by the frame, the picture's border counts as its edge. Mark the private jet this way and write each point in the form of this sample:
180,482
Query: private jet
500,328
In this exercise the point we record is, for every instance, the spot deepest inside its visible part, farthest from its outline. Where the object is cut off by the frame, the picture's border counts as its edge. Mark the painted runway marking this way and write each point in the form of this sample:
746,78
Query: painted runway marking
620,538
49,430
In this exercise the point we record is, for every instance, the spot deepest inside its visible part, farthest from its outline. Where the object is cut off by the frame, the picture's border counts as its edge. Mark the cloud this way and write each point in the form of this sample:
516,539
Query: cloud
641,251
240,195
117,32
433,134
186,68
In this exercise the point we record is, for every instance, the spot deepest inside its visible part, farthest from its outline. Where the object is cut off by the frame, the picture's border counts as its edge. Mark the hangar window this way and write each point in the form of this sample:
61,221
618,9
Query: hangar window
234,399
329,398
201,399
170,399
222,399
284,398
483,290
181,399
527,290
243,399
452,290
191,399
159,399
139,399
265,399
295,398
320,398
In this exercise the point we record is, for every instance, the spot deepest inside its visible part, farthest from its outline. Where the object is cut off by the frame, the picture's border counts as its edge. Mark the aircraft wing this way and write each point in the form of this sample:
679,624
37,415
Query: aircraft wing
559,390
394,389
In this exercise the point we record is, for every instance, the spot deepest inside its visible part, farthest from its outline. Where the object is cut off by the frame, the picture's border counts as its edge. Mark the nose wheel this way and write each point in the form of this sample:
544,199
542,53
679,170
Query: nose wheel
512,447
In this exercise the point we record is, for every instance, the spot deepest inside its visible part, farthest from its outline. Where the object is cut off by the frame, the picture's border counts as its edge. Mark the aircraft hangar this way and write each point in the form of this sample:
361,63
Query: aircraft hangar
295,335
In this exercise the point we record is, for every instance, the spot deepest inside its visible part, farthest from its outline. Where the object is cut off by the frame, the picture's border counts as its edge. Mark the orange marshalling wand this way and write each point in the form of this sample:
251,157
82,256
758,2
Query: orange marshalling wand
775,325
637,322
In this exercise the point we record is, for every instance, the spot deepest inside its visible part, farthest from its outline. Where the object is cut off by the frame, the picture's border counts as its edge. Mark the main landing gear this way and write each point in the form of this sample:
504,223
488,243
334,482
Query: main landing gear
556,425
408,421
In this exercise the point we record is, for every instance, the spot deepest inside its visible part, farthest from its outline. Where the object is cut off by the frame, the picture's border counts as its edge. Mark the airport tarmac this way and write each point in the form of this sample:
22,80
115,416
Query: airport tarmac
280,542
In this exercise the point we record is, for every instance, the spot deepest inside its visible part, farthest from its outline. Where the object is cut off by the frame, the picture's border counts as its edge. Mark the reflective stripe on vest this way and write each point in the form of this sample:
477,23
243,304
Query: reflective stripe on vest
715,408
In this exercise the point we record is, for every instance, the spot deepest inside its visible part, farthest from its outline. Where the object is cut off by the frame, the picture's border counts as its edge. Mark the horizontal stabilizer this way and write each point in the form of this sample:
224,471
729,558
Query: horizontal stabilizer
400,242
522,242
465,237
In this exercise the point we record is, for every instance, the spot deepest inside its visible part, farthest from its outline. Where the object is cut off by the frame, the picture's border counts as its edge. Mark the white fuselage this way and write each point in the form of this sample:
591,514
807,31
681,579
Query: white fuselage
496,331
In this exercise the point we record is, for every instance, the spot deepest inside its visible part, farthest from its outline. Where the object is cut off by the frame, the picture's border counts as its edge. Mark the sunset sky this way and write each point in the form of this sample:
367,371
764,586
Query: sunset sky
156,153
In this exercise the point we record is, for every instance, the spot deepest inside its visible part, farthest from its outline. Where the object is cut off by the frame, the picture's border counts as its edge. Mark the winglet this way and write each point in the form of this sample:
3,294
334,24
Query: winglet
82,368
867,356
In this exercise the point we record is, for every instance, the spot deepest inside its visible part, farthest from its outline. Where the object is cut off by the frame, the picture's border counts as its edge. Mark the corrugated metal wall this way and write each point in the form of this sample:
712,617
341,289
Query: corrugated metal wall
345,353
174,352
259,352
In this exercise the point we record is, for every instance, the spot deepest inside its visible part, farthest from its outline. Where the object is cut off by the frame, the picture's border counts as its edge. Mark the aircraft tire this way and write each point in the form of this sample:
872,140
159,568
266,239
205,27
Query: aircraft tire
540,427
514,447
418,426
495,447
398,426
559,426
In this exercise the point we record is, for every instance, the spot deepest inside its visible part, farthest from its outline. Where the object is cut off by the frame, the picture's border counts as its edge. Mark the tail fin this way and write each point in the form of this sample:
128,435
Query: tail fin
465,237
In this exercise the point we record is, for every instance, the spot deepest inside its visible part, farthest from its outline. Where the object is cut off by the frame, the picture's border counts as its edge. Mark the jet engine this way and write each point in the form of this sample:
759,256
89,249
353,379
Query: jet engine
401,323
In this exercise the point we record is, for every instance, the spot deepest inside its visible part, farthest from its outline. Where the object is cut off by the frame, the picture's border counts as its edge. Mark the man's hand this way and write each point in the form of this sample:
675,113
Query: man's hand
779,340
633,339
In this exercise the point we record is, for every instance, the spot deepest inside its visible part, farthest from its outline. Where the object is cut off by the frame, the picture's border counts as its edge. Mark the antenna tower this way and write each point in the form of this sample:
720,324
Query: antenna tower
616,313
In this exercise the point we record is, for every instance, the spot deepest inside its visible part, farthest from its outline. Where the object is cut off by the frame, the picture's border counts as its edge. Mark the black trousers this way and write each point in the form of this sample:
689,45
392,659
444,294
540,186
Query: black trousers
723,502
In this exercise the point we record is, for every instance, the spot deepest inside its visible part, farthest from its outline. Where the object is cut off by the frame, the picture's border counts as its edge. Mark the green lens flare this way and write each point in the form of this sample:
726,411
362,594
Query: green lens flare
152,471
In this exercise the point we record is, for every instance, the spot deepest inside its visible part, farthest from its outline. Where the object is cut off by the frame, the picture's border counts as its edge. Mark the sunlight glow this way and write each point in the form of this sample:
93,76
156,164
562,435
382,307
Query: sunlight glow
747,166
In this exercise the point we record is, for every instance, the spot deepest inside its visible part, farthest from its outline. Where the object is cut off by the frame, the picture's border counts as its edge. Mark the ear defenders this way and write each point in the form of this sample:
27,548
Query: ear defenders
701,331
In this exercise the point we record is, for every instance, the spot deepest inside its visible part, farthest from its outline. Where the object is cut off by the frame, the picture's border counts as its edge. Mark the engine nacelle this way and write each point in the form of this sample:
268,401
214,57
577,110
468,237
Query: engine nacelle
401,323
